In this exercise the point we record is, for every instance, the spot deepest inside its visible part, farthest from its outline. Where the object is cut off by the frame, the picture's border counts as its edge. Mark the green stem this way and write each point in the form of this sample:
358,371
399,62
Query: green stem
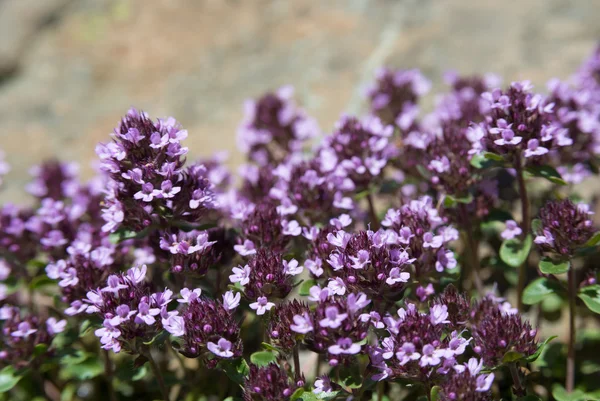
380,390
372,213
157,374
525,226
108,372
570,381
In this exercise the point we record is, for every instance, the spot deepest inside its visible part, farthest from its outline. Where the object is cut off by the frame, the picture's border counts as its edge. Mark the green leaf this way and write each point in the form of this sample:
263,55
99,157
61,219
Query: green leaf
435,393
86,370
123,234
306,286
449,201
594,240
538,352
41,281
512,356
423,171
493,156
560,394
538,289
480,162
262,358
158,338
529,397
550,266
546,172
235,369
514,252
270,347
590,295
297,394
86,327
40,349
8,378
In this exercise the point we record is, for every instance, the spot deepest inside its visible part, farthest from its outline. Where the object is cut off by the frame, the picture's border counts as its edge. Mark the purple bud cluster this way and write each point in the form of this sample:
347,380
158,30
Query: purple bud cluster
23,334
274,127
497,329
564,227
149,184
420,230
268,383
206,327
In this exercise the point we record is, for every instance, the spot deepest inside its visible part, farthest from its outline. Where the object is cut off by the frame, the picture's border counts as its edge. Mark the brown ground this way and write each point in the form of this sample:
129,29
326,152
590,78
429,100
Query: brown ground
70,68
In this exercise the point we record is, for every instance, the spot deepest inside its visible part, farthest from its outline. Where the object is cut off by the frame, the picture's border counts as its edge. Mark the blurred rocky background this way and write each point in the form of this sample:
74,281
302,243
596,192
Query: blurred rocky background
70,68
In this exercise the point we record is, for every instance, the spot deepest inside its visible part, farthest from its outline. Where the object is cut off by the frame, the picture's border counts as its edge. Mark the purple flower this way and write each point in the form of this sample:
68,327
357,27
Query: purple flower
137,274
407,353
439,314
69,278
114,284
188,296
222,348
344,346
174,324
302,324
361,259
146,314
231,301
512,230
167,190
240,275
24,330
333,318
246,249
261,305
147,193
534,149
292,267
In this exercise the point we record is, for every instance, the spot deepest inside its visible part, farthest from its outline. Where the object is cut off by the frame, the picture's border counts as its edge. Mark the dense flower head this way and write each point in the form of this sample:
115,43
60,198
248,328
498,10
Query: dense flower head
265,227
564,227
358,150
370,262
148,182
458,305
16,239
266,276
128,307
419,345
304,190
338,325
273,127
283,321
462,105
395,94
206,327
21,333
421,232
447,158
85,268
192,251
577,113
268,383
467,383
520,122
54,179
497,329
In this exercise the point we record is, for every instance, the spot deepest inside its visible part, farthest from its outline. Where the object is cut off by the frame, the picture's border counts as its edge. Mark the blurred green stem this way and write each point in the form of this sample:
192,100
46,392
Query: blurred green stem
570,381
525,226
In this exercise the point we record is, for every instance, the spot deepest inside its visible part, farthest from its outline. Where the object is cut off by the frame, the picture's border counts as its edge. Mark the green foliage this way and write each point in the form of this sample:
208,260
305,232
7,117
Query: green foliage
551,266
263,358
514,252
590,295
548,173
538,289
9,377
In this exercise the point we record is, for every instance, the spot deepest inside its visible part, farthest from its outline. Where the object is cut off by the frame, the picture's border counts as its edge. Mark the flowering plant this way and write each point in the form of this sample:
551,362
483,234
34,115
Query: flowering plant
404,256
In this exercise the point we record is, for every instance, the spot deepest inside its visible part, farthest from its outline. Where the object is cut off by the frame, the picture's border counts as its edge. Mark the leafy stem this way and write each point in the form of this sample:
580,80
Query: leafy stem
525,226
